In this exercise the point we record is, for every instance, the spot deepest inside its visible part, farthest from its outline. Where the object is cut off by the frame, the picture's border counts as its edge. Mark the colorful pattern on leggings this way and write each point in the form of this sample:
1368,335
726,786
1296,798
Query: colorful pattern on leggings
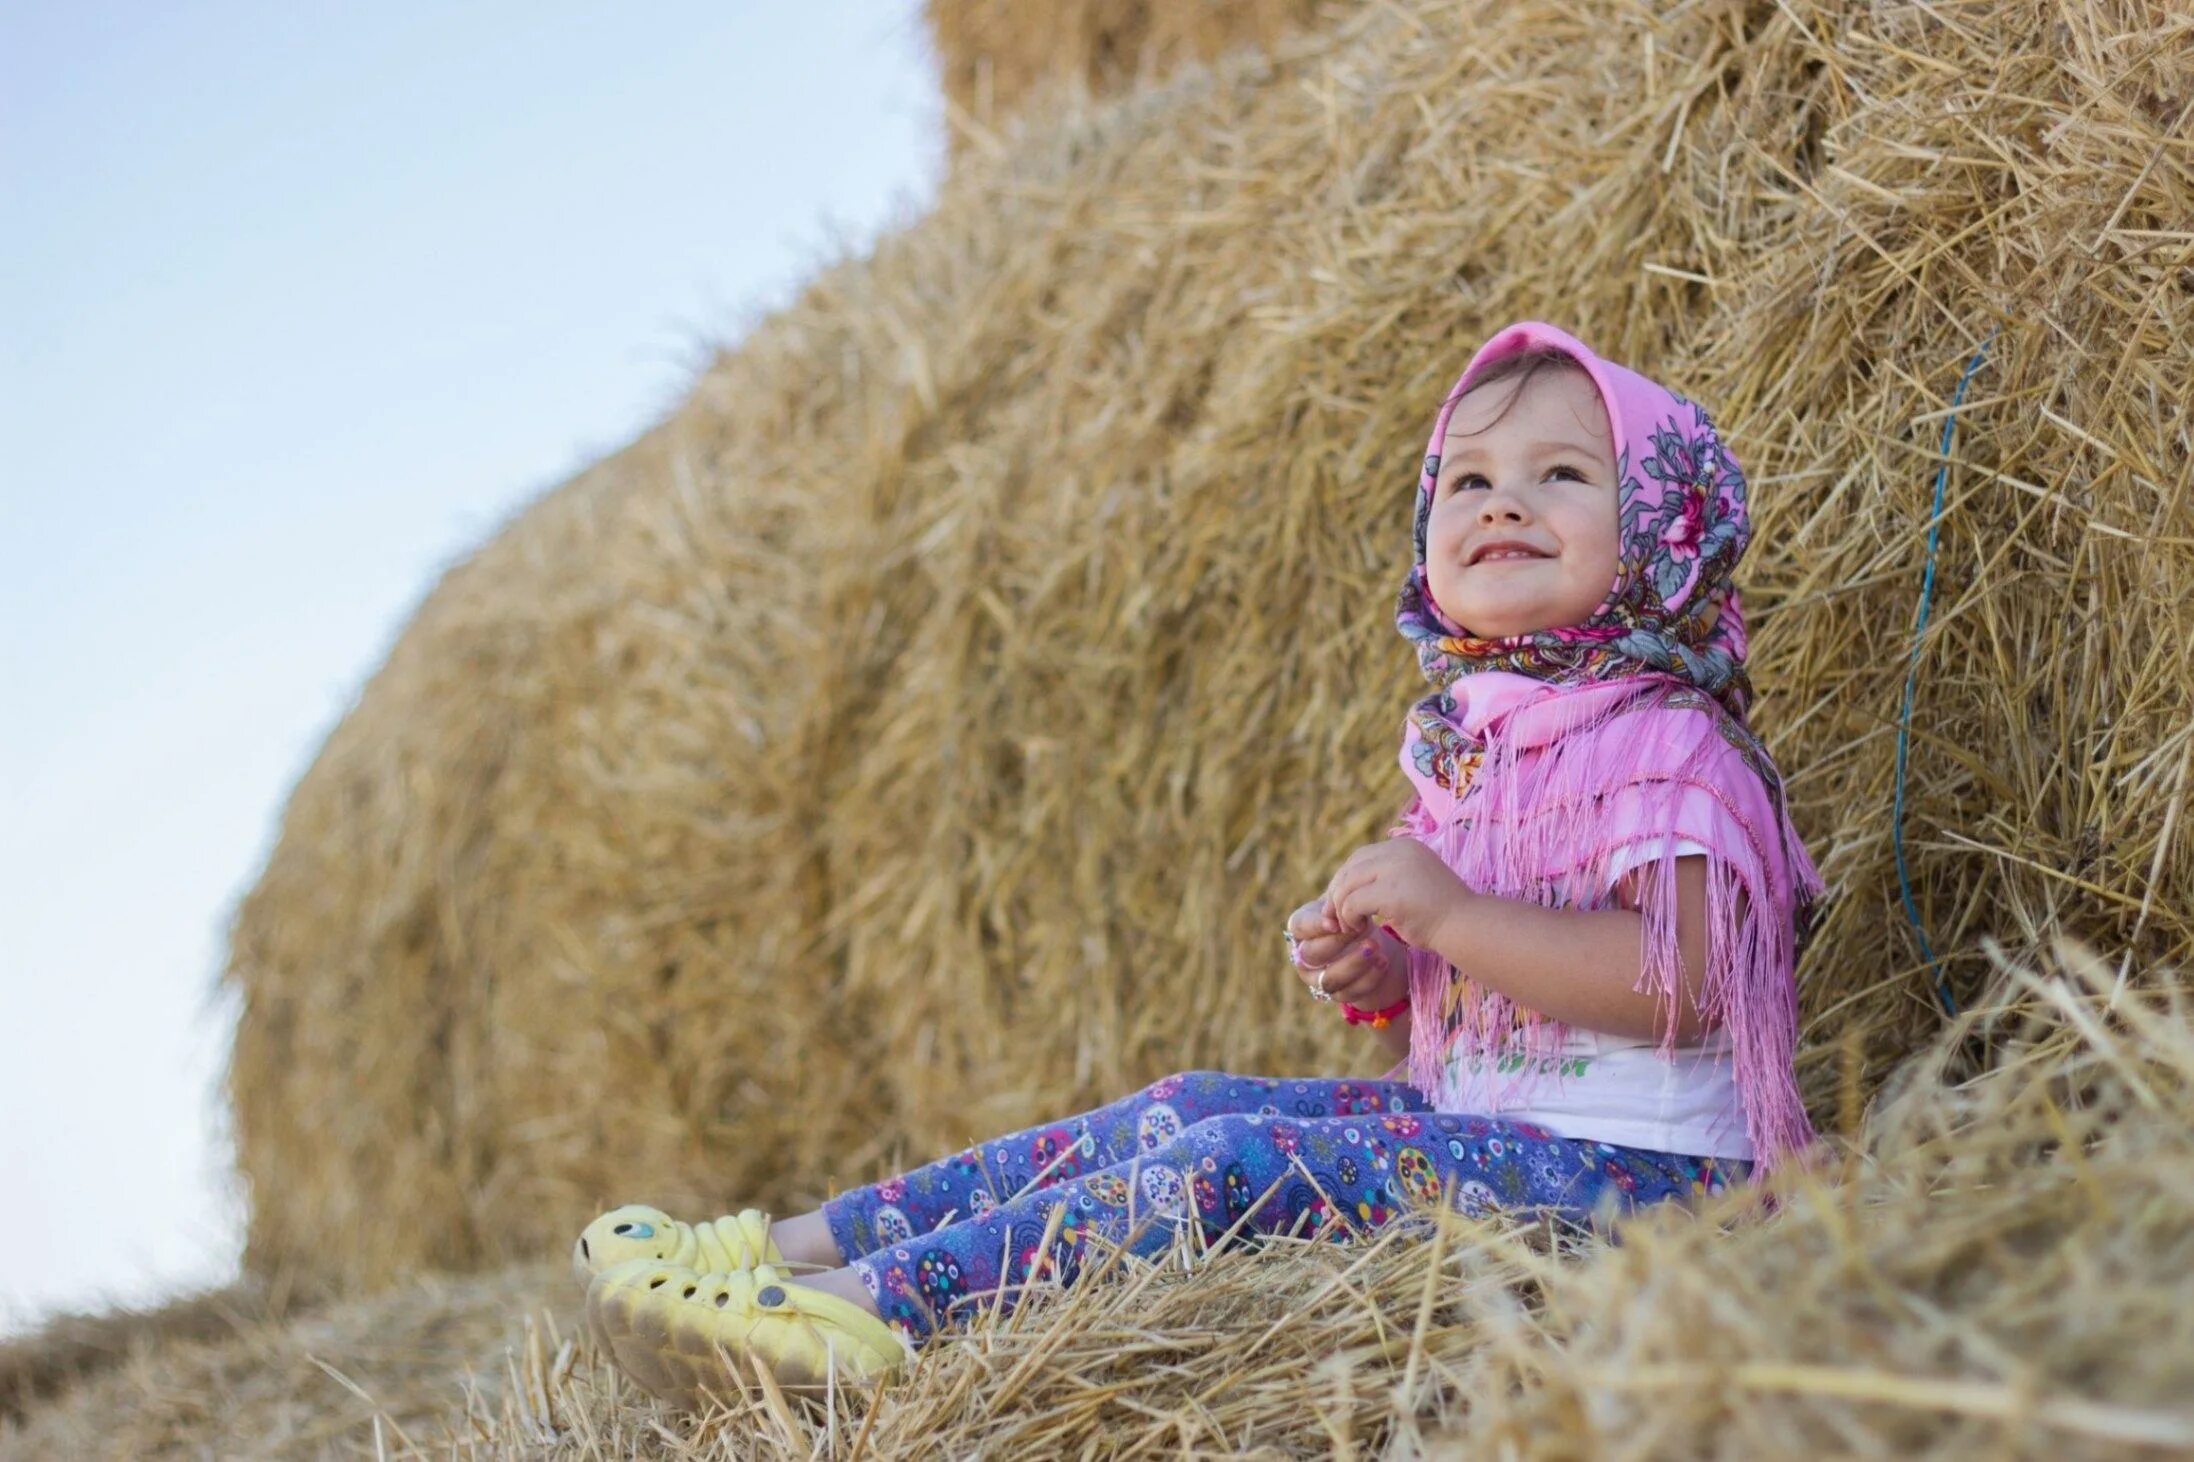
1206,1147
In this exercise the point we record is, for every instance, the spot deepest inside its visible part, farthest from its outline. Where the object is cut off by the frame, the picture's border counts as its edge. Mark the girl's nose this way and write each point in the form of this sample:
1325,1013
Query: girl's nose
1499,505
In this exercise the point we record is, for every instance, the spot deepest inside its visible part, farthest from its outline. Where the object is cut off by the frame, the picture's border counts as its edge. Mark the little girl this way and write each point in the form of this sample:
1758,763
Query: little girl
1580,936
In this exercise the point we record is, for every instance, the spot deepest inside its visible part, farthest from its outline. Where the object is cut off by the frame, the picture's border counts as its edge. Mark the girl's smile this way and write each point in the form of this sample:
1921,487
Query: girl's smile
1522,535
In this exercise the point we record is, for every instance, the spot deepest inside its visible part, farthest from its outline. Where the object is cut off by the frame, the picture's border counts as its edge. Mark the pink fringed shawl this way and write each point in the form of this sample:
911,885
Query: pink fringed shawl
1537,757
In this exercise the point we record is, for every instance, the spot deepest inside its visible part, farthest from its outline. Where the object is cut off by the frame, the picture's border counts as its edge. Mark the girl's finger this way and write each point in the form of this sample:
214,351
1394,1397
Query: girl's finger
1358,981
1353,967
1323,949
1363,916
1311,920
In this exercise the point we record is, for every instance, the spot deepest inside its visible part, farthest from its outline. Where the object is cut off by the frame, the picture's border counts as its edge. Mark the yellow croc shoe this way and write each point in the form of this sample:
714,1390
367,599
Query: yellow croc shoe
735,1241
671,1329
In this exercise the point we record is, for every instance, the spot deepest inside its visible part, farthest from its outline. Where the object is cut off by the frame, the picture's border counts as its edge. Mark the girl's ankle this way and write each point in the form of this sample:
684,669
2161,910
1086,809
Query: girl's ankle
806,1240
843,1283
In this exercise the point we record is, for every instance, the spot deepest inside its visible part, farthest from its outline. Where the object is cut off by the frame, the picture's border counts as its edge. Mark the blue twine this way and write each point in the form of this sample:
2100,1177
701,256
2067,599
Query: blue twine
1912,675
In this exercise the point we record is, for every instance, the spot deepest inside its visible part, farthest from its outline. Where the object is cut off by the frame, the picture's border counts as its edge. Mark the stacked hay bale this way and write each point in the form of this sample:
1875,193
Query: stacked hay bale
925,728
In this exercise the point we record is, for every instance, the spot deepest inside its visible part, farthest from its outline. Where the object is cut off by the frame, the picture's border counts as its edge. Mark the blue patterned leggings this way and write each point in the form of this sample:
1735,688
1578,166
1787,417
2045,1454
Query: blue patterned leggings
1230,1154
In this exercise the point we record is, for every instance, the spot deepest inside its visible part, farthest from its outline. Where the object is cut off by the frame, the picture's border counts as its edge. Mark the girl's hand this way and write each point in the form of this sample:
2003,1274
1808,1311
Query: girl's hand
1320,937
1401,883
1367,969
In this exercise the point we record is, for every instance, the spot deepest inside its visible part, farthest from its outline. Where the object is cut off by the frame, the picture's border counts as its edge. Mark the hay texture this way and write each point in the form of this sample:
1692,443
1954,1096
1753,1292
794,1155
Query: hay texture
267,1380
925,729
1006,63
1999,1269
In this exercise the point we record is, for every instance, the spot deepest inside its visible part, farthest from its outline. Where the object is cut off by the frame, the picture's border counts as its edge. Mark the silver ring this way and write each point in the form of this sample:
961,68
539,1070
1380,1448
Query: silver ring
1318,987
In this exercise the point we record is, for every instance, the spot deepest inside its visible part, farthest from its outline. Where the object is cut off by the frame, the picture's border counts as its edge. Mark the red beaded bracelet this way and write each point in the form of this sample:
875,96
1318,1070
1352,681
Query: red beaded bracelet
1376,1019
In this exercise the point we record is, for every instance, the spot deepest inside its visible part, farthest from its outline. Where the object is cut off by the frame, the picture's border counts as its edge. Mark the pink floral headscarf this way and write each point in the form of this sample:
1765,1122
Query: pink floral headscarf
1538,757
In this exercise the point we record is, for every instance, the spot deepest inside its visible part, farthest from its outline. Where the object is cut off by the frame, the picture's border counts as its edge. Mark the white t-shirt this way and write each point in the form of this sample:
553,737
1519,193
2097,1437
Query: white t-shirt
1608,1088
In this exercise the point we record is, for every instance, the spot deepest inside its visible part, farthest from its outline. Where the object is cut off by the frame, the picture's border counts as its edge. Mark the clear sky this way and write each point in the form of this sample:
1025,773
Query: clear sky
297,303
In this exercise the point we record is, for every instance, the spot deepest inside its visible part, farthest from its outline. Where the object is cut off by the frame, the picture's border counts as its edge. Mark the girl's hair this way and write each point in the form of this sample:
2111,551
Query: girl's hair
1525,364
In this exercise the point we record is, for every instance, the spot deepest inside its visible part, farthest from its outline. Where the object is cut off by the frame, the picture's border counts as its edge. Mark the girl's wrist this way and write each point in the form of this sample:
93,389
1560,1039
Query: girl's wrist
1455,920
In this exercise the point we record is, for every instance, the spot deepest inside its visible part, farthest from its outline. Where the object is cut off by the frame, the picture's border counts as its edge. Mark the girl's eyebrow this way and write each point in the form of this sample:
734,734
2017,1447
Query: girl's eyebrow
1542,448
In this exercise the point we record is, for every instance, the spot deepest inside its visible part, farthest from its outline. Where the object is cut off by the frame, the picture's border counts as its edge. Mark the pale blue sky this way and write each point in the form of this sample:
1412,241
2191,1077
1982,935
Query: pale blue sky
297,303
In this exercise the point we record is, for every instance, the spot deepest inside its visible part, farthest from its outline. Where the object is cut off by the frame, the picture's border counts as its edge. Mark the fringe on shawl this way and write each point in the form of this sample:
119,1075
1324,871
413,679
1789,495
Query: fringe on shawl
1525,816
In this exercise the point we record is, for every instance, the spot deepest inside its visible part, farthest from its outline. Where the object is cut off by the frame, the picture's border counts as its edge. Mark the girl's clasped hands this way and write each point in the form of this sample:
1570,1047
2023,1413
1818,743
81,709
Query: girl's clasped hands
1352,943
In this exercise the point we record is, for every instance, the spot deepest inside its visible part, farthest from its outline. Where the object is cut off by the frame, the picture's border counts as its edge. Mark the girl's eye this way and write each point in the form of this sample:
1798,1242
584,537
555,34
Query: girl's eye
1475,481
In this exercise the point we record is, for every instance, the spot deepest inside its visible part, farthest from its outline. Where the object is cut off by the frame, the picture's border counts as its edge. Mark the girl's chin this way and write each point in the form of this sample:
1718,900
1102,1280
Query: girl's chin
1498,626
1499,631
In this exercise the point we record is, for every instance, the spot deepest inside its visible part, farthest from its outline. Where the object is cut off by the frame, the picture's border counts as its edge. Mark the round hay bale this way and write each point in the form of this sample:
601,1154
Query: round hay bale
925,729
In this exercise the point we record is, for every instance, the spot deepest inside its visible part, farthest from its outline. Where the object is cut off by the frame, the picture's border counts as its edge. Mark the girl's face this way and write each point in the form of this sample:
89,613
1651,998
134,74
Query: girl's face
1523,532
